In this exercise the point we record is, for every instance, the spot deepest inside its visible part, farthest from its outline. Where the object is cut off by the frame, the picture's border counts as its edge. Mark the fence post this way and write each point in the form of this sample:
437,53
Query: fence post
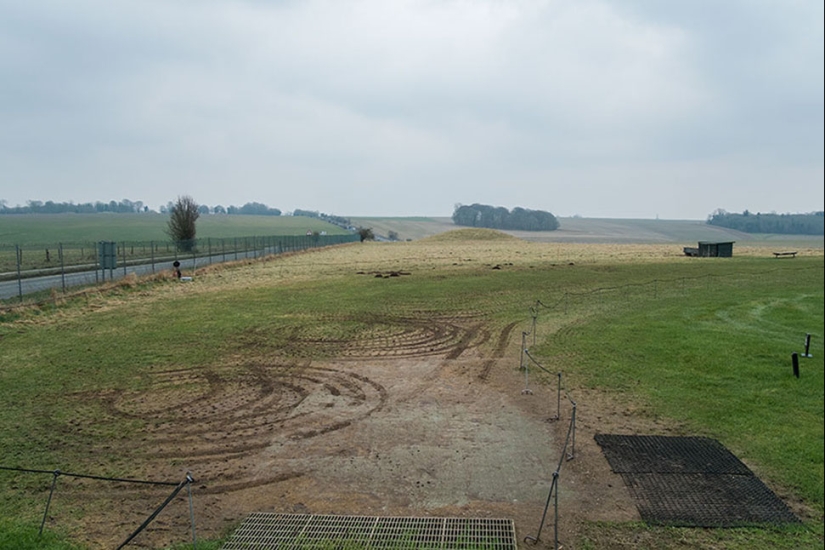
62,267
56,474
123,247
152,248
558,397
209,249
553,490
807,346
523,347
189,482
526,390
19,260
152,517
572,454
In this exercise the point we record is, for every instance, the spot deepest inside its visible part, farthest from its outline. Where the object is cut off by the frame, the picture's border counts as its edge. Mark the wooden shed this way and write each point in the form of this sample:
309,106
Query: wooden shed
709,249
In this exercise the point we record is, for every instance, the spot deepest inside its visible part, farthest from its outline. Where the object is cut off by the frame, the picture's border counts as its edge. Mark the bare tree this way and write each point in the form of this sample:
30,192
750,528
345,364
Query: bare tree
366,234
183,214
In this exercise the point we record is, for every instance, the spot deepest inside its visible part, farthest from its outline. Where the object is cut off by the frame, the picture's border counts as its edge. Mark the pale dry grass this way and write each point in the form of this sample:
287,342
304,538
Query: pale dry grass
442,253
436,254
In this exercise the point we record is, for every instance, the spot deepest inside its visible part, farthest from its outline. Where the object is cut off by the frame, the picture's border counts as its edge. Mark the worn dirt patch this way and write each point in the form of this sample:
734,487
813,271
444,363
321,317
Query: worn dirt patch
420,420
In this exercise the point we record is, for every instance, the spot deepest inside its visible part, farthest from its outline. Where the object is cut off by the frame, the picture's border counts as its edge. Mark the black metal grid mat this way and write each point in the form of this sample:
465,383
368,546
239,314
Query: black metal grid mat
648,454
691,481
706,500
304,531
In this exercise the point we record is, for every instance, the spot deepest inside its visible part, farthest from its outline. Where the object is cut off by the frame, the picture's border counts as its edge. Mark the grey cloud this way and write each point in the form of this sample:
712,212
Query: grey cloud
415,105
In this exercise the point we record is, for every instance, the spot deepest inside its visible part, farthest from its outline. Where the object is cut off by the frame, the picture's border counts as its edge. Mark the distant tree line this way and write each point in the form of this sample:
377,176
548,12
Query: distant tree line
335,220
248,209
498,217
51,207
126,206
788,224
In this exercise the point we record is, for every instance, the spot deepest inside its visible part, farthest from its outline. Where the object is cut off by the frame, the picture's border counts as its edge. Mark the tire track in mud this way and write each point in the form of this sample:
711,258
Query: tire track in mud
404,336
498,353
210,420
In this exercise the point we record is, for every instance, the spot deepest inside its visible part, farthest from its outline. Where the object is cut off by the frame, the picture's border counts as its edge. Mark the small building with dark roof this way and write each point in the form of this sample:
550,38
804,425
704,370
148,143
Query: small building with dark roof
709,249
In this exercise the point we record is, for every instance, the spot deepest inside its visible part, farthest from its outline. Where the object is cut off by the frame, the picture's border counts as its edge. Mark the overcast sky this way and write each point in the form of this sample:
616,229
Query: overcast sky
624,109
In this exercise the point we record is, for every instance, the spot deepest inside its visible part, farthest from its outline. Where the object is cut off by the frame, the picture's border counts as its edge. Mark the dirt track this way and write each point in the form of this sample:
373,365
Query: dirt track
418,420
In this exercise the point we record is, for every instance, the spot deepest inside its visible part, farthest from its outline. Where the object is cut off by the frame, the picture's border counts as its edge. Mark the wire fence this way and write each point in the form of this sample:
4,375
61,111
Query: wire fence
603,299
178,487
28,271
568,449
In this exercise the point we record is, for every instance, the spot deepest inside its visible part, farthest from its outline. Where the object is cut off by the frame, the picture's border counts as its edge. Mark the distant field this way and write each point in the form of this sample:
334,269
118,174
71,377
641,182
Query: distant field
406,228
593,230
37,229
41,229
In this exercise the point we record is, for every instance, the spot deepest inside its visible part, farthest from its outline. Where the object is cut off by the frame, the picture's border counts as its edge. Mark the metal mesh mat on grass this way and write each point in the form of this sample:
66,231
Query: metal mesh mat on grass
303,531
706,500
691,481
653,454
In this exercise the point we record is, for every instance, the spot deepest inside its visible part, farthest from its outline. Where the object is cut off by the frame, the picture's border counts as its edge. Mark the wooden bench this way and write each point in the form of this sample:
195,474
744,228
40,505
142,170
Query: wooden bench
791,254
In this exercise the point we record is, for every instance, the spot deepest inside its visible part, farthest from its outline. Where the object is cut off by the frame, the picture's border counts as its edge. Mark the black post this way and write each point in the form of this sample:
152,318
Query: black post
19,254
189,482
56,474
795,361
62,267
152,517
807,346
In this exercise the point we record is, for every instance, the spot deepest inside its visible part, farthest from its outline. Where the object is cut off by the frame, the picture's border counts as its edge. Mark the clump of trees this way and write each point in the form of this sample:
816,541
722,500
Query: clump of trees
498,217
788,224
181,225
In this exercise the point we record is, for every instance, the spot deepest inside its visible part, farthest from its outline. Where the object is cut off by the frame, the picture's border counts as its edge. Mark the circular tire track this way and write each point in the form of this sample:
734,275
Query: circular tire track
210,420
392,337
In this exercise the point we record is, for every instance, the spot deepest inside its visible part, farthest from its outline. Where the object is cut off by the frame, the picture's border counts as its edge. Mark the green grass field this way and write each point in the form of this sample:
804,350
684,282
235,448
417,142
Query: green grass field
42,238
51,229
704,344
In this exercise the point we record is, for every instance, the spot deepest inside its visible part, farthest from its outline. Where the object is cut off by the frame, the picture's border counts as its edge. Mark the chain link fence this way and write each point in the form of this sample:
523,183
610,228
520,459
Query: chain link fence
27,272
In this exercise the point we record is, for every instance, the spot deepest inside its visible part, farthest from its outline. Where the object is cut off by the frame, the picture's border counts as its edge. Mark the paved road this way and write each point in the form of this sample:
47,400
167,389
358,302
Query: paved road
29,285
